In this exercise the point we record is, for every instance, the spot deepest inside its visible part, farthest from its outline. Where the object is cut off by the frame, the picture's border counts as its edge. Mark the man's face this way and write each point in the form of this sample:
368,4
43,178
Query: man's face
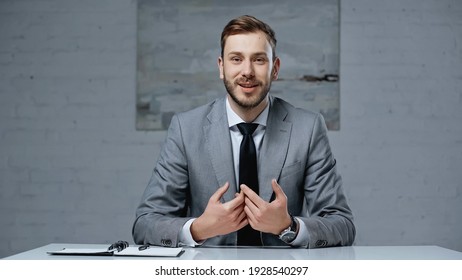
247,69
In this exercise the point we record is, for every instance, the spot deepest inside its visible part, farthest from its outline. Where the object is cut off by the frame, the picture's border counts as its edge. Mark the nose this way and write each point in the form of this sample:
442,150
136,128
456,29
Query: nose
247,69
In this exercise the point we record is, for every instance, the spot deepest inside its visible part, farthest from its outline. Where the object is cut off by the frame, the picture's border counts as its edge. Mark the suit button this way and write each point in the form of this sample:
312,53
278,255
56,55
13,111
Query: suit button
166,242
321,243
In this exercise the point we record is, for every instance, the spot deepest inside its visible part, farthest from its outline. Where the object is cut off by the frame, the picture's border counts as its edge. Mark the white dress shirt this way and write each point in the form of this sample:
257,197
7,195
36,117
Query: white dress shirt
185,238
236,135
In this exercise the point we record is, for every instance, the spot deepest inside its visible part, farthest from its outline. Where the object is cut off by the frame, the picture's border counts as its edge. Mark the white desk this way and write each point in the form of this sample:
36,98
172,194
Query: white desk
232,253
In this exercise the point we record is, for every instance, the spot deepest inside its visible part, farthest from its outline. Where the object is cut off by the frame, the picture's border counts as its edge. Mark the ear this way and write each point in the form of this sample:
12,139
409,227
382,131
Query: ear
275,71
220,67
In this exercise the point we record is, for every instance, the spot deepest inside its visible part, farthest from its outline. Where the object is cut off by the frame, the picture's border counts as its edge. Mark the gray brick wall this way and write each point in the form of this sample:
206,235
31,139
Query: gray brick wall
400,147
73,167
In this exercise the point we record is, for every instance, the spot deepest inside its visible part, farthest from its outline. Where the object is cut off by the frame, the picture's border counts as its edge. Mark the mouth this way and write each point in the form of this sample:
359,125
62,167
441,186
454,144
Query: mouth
247,85
248,88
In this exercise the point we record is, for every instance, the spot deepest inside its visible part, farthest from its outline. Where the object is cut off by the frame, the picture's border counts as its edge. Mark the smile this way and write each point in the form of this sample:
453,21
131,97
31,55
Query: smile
247,85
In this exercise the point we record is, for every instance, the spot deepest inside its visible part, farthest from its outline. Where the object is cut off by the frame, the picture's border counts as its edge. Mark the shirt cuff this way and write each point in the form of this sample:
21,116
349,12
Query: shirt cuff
303,236
185,238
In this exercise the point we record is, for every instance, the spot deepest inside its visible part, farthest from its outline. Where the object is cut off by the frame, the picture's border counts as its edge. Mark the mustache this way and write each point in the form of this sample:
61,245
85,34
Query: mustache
247,81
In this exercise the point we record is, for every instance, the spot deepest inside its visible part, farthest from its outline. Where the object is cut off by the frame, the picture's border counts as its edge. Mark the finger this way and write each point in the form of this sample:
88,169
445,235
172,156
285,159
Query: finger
235,202
249,193
242,217
277,189
243,222
251,206
239,219
220,192
250,217
256,200
251,211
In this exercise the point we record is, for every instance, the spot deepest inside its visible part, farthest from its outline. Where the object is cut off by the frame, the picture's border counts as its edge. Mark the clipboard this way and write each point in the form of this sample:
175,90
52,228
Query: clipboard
121,248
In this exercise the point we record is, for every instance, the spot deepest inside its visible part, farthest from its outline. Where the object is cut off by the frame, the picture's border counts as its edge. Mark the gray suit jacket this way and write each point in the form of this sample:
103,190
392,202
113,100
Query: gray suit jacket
197,159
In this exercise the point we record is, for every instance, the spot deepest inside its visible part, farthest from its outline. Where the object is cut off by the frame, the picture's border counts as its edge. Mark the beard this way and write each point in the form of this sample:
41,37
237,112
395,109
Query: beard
243,101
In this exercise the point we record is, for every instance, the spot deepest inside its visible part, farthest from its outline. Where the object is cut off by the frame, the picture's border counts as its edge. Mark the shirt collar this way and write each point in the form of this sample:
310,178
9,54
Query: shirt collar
234,119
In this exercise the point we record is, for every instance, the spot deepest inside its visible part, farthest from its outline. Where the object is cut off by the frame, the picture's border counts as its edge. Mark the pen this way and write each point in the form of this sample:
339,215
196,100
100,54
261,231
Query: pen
118,246
144,247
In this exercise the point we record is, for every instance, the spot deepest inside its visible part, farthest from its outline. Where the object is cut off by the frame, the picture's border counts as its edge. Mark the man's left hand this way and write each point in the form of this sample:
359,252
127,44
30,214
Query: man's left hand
270,217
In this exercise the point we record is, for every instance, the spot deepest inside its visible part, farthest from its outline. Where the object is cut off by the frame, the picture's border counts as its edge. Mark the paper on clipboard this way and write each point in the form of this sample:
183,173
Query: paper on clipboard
151,251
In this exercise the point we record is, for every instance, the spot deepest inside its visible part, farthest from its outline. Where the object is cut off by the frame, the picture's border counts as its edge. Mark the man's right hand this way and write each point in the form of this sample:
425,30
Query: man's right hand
220,218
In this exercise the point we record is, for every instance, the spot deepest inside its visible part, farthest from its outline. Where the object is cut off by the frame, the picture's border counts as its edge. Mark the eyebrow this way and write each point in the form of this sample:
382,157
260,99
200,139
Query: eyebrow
252,55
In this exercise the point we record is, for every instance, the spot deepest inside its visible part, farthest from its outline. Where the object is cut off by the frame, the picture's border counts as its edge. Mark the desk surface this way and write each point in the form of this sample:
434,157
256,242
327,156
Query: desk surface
252,253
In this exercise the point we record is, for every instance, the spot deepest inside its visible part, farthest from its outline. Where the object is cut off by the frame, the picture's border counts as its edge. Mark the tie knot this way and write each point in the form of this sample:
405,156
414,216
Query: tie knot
247,128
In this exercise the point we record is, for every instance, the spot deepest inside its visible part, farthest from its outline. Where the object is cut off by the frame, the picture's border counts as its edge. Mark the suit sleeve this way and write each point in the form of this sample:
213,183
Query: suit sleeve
330,220
162,211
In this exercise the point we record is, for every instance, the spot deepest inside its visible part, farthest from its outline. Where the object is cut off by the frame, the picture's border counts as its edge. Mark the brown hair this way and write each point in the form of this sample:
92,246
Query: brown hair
248,24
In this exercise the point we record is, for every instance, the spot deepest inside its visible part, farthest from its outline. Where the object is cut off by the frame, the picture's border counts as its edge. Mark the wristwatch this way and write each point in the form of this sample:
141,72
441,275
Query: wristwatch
288,235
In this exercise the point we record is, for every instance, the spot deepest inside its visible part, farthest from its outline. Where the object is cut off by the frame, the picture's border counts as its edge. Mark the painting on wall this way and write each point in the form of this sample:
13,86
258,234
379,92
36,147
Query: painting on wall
178,45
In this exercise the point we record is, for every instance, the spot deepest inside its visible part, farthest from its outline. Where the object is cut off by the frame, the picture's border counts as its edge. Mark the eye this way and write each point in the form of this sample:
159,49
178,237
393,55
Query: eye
236,59
260,60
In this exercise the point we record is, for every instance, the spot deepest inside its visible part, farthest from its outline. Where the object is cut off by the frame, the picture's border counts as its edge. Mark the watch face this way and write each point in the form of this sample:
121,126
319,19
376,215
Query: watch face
288,236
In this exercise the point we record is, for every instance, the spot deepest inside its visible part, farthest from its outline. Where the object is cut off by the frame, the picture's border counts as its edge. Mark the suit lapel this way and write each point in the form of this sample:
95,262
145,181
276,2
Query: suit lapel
272,154
218,142
274,148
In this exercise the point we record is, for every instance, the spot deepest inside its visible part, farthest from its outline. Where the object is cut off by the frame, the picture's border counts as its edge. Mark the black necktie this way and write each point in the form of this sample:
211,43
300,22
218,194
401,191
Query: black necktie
248,175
